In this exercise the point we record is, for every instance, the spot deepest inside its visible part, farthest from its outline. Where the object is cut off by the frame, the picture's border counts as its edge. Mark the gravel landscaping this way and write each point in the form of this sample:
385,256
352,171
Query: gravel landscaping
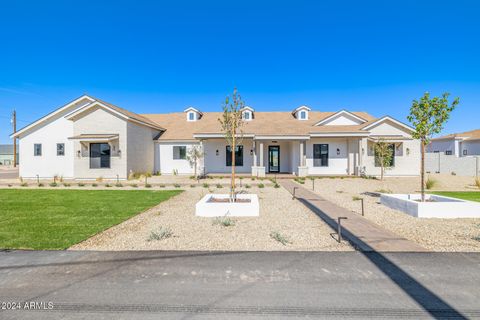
434,234
284,224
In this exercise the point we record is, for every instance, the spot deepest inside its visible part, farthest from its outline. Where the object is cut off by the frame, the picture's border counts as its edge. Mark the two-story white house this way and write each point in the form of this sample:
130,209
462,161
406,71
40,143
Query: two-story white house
89,138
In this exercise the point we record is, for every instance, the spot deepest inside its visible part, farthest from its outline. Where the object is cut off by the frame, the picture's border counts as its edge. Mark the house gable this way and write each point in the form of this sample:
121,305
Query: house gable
388,126
341,118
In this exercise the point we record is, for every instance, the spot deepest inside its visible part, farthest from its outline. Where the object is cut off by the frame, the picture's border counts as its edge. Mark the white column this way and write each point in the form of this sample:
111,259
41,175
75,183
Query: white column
261,154
301,154
254,153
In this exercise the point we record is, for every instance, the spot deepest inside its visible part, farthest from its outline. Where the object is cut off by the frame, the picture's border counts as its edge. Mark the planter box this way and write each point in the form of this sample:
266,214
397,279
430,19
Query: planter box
207,208
440,207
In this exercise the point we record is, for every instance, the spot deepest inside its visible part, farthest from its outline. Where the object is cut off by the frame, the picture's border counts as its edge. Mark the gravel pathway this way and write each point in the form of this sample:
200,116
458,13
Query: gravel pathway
434,234
278,213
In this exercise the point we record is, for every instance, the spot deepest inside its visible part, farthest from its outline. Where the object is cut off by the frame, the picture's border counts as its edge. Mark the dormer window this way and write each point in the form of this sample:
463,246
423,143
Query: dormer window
193,114
247,113
301,113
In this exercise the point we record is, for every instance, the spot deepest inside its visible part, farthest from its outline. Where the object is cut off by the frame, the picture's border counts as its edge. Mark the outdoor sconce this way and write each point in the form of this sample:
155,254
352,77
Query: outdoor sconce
216,152
251,152
119,152
363,151
338,151
408,151
79,153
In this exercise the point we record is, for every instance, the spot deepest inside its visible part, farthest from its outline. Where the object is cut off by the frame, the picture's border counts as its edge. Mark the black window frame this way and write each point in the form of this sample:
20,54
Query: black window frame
238,156
320,157
35,153
448,152
465,152
181,155
103,157
392,164
62,153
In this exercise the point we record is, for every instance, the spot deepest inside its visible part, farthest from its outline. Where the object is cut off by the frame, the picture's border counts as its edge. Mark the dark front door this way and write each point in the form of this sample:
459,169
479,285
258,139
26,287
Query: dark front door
273,159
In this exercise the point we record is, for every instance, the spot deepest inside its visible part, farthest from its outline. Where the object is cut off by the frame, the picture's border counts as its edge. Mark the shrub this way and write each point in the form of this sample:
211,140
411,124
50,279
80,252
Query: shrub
80,184
205,185
40,185
94,185
192,186
477,182
176,185
253,178
247,186
9,185
99,179
219,186
356,198
261,185
53,184
119,185
162,186
192,177
24,184
224,221
108,185
430,183
148,185
299,180
339,191
276,185
134,185
163,233
66,184
279,237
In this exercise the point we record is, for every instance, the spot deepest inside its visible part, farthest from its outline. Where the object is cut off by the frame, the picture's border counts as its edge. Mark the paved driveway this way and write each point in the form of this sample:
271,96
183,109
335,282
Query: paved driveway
8,173
266,285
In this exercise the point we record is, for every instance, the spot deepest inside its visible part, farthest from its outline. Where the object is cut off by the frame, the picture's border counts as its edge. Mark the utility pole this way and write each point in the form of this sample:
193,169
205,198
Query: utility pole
14,123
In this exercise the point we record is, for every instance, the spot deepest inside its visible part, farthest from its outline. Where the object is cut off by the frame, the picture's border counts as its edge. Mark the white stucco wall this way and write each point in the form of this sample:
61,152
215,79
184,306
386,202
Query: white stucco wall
55,130
100,121
164,162
472,147
217,164
48,164
407,162
337,164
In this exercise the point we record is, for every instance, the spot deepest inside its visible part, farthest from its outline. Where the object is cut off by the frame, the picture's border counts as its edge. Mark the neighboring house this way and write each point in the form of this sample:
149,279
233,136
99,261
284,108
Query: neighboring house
89,138
6,154
458,144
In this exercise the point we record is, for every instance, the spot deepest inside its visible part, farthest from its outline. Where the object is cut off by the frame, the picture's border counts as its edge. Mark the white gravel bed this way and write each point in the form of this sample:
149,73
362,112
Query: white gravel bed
278,213
435,234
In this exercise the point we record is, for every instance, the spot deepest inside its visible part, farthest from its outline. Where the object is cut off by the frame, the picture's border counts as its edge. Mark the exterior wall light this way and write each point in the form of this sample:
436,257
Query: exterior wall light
216,152
338,151
119,152
408,151
79,153
251,152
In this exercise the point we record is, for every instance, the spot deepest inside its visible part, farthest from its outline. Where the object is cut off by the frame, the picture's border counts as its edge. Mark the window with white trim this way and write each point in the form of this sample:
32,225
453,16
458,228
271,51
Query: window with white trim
303,115
179,152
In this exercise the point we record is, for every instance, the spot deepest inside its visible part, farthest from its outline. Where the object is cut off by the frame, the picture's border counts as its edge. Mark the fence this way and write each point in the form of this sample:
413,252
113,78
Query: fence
450,164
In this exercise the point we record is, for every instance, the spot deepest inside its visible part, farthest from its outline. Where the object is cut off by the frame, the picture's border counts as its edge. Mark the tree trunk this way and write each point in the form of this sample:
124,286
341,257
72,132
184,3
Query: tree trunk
382,170
422,170
232,187
195,169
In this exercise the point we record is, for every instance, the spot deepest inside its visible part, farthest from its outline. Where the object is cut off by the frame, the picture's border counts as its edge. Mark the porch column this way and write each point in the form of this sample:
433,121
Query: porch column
302,168
261,167
254,162
360,156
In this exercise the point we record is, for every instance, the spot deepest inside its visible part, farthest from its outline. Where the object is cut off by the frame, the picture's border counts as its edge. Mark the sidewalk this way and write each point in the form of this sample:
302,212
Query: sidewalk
363,234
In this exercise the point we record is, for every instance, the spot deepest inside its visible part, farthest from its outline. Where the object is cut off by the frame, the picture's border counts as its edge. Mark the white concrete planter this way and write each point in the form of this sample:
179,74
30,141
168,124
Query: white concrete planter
442,207
206,208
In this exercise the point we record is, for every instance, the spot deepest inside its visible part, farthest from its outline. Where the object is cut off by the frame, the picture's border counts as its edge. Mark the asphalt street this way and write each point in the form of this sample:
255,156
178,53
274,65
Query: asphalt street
220,285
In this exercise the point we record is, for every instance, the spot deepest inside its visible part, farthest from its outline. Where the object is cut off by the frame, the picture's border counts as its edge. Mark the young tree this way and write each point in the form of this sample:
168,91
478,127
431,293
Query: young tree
232,123
428,117
383,155
194,154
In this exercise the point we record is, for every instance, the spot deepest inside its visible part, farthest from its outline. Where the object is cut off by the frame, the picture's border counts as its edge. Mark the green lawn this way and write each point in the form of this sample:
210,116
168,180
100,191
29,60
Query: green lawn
465,195
57,219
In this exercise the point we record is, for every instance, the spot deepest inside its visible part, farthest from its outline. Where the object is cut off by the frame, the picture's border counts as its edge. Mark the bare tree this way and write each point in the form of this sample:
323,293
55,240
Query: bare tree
383,155
194,154
232,123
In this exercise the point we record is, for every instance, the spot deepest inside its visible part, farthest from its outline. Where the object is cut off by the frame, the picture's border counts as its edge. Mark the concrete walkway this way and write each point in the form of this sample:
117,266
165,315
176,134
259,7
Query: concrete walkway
365,235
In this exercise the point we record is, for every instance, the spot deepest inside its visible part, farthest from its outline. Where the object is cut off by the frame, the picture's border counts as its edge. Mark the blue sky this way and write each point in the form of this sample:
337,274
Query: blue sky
155,57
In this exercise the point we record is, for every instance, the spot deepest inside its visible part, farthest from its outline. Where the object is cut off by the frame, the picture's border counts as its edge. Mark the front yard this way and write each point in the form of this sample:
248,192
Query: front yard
58,219
464,195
